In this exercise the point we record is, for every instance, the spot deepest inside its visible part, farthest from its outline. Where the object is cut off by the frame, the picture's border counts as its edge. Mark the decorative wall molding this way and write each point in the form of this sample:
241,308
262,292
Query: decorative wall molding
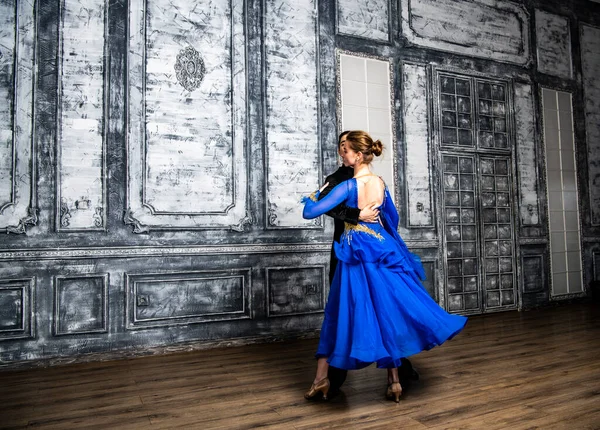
295,290
162,251
80,304
367,20
590,65
553,42
415,109
17,159
527,157
189,68
167,251
247,220
292,115
138,227
186,152
492,29
21,227
158,300
81,117
17,308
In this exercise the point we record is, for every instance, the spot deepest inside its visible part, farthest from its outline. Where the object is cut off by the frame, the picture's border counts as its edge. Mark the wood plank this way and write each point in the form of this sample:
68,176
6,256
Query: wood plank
538,369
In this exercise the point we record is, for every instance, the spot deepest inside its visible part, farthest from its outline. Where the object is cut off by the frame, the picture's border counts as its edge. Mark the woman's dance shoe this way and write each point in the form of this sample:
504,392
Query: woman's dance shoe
320,387
394,390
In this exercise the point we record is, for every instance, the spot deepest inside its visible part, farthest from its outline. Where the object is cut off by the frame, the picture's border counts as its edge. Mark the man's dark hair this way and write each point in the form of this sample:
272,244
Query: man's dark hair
342,134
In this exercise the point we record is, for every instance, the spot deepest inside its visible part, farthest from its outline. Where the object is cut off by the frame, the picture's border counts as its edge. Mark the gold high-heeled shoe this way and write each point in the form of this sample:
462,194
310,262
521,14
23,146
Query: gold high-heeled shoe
320,387
394,390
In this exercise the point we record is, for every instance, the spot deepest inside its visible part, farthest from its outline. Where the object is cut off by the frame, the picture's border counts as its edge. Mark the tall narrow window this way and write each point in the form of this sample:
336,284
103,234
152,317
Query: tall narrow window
561,172
365,94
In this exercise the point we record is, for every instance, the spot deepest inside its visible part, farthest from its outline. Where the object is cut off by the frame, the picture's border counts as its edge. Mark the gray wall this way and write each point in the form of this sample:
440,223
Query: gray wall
153,155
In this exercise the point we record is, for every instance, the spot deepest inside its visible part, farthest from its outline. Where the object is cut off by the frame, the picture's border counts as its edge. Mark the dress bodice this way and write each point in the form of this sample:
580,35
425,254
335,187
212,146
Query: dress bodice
375,242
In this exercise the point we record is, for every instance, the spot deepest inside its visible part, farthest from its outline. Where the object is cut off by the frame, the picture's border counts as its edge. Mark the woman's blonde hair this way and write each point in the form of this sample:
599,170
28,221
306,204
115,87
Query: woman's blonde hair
361,141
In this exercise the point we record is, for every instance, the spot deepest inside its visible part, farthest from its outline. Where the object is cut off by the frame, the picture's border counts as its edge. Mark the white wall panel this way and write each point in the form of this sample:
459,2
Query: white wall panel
187,113
81,182
553,40
526,154
369,20
292,115
416,134
491,29
17,160
590,64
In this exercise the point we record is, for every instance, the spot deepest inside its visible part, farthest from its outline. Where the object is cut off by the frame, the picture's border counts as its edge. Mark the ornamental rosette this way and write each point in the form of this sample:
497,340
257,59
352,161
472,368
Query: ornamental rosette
189,68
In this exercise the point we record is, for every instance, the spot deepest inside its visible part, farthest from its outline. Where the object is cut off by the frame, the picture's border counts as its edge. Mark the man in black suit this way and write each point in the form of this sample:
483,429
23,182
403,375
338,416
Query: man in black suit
342,214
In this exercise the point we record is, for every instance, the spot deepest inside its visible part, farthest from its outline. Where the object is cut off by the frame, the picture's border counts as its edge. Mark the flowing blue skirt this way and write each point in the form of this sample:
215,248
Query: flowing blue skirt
377,310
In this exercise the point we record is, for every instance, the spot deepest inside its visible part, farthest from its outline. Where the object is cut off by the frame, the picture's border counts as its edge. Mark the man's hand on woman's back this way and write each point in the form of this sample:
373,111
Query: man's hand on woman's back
369,213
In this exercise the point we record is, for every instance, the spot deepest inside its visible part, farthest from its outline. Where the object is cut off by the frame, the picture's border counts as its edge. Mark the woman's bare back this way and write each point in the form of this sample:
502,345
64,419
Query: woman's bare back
370,189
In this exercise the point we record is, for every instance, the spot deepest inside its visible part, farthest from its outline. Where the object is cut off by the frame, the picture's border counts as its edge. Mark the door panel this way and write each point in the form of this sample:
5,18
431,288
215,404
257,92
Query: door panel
497,232
461,233
478,232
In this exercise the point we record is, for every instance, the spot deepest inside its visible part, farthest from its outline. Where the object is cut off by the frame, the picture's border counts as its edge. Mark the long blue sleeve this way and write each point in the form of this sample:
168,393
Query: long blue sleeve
313,209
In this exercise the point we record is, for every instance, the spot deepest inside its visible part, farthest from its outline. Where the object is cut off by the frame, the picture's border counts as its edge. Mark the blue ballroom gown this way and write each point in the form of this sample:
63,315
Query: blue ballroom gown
377,311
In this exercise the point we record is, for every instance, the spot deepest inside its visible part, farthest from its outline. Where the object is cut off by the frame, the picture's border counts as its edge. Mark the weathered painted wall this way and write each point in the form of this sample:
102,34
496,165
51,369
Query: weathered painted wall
153,154
186,160
292,143
590,63
81,150
370,19
17,147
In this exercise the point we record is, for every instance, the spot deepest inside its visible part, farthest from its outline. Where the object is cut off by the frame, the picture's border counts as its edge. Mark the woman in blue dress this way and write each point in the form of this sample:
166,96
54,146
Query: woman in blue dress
377,310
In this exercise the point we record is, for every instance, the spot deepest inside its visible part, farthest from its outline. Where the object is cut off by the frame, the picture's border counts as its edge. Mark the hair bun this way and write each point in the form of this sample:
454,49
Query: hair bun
377,148
361,141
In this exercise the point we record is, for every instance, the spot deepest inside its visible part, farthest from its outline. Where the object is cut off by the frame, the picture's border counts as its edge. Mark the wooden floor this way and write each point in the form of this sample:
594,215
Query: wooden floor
536,369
